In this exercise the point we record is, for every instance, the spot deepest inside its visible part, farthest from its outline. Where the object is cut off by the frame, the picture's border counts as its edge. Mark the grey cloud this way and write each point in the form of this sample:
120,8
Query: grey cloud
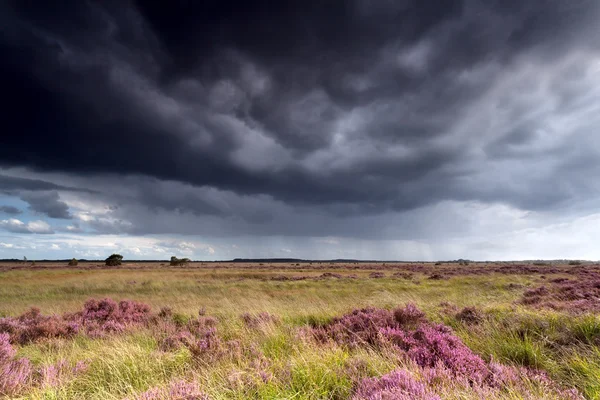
10,210
47,203
10,184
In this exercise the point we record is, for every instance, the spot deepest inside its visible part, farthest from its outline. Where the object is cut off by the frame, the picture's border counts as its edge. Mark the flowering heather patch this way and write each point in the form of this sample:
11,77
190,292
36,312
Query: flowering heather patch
18,374
208,347
363,326
410,315
107,310
408,331
357,328
97,319
199,335
430,345
397,385
444,360
574,296
430,382
32,325
177,340
53,374
7,352
180,390
376,275
14,374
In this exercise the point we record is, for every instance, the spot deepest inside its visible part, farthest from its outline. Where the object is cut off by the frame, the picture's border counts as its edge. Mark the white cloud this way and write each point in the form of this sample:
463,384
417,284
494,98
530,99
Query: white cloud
39,227
17,226
135,250
75,228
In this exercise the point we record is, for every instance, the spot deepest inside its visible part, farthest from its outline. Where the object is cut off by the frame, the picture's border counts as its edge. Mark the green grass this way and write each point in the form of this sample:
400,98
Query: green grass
565,347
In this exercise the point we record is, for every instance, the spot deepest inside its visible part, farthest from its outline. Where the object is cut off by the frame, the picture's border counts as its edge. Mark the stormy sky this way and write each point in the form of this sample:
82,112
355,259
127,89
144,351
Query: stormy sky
391,129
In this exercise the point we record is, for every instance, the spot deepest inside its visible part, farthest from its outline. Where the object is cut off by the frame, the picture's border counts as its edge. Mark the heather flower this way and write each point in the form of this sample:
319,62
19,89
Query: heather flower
437,343
185,391
7,352
32,326
409,315
407,330
133,312
14,376
357,328
113,327
50,373
397,385
80,367
179,390
582,295
53,374
105,310
208,347
177,340
266,377
99,310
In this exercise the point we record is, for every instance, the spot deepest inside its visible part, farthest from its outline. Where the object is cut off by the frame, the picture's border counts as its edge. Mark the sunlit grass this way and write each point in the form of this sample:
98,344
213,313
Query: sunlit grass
121,366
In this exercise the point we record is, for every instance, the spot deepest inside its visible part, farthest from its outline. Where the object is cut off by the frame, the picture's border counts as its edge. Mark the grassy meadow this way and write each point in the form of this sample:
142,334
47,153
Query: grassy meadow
254,331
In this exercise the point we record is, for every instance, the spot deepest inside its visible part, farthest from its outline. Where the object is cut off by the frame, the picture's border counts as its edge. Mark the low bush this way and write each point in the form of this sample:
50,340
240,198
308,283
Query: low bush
179,262
114,260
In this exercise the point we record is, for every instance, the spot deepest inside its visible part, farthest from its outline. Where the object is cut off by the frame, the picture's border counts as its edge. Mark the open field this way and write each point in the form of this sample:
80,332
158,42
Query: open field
238,331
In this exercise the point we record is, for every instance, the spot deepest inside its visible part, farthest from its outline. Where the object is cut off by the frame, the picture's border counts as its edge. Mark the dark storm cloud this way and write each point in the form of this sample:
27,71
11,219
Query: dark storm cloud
354,107
9,184
47,203
10,210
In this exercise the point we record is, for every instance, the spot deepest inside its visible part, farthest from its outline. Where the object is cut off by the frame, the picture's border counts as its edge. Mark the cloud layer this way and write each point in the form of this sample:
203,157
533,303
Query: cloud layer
408,121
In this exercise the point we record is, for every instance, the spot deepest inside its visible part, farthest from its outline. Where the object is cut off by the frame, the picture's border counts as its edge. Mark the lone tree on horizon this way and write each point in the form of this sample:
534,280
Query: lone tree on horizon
113,260
73,262
179,261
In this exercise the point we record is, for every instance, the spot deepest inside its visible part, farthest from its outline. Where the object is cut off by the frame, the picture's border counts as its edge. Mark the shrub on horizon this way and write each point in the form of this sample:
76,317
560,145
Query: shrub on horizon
73,262
114,260
179,262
